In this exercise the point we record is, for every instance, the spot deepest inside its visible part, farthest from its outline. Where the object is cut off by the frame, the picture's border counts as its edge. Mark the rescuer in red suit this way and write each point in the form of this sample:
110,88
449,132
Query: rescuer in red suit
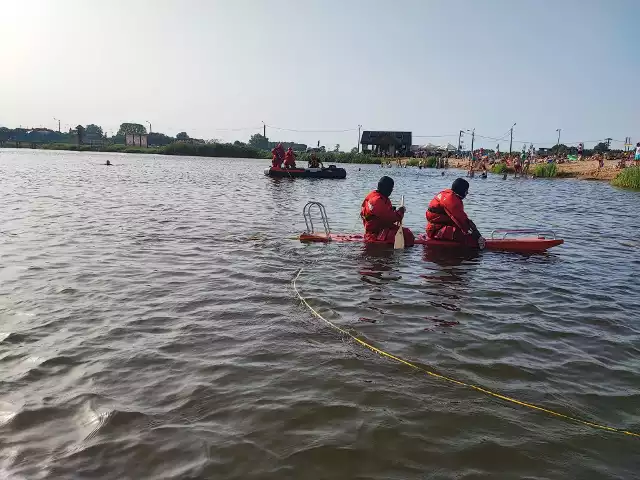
380,218
289,159
446,219
278,156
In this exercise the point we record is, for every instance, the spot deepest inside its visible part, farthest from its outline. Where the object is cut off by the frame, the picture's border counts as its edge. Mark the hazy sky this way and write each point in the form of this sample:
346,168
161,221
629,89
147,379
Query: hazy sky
430,67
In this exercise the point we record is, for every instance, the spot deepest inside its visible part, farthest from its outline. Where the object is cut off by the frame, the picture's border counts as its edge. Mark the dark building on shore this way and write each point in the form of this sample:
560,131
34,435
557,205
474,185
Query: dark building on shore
386,143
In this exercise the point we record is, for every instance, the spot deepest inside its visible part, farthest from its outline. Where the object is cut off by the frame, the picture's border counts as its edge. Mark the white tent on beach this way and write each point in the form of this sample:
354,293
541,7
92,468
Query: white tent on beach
447,147
430,147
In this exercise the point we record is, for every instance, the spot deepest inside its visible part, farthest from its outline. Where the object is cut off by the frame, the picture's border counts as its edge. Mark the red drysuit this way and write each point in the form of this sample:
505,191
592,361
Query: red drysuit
446,220
289,159
379,220
278,156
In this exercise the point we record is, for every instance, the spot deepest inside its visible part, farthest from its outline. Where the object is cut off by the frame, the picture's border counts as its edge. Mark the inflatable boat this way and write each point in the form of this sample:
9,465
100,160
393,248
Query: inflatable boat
330,172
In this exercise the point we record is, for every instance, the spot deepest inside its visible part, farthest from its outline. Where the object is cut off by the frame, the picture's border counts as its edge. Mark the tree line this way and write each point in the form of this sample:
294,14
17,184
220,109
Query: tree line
93,134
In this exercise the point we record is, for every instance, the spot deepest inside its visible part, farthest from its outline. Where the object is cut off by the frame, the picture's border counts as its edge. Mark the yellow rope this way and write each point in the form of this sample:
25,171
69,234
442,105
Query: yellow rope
453,380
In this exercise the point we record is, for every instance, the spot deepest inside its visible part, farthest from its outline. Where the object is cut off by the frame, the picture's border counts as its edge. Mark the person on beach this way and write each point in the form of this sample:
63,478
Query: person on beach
447,220
637,156
289,159
580,150
277,156
517,167
380,219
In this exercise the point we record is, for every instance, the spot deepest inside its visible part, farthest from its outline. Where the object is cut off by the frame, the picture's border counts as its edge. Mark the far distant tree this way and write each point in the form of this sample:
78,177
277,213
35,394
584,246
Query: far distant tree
159,139
337,148
602,147
131,129
238,143
182,136
259,141
354,150
5,133
560,149
81,132
93,130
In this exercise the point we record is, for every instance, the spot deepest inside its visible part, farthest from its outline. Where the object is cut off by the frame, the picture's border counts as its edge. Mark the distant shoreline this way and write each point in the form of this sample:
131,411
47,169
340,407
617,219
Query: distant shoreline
583,170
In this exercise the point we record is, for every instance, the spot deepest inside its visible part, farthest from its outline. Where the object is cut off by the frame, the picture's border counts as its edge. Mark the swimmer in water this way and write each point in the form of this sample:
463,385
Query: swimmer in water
108,163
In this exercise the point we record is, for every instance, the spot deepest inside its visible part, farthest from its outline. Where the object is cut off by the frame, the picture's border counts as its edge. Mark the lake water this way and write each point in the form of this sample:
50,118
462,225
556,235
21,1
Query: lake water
149,329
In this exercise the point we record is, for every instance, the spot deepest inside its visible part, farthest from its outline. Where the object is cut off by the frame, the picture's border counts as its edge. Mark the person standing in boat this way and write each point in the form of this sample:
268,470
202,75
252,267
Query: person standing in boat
447,220
289,159
380,219
278,156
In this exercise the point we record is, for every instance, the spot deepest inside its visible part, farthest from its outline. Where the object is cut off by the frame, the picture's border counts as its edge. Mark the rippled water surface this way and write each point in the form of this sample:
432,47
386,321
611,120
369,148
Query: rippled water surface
149,329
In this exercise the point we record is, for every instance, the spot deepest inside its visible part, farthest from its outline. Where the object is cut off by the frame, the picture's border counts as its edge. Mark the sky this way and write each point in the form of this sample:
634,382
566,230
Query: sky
313,70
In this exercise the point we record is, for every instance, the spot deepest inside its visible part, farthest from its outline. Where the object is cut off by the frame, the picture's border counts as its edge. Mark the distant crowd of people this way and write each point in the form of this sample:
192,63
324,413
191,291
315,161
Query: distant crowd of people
521,163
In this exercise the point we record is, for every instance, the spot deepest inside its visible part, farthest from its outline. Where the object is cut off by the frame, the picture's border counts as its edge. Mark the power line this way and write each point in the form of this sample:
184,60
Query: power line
434,136
312,131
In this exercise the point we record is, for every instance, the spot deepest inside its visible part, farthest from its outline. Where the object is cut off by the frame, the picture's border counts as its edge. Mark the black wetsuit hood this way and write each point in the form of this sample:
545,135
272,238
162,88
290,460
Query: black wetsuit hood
385,186
460,187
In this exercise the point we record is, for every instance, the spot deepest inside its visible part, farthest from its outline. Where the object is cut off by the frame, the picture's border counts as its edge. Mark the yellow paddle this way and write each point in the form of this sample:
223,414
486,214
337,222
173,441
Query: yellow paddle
399,241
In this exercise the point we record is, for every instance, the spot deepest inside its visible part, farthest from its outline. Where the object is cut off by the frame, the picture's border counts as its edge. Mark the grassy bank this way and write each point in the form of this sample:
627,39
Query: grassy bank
178,148
500,168
338,157
116,148
429,162
547,170
628,178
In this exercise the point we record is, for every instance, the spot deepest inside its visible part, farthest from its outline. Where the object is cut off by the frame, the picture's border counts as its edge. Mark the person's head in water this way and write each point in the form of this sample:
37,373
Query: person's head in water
460,187
385,186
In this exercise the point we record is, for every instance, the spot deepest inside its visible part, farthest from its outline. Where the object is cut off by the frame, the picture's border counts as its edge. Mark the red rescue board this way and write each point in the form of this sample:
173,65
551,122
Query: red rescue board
520,245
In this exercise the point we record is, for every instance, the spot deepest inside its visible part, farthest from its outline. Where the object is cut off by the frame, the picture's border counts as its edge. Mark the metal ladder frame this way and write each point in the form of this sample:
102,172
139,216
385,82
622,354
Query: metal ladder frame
308,220
544,233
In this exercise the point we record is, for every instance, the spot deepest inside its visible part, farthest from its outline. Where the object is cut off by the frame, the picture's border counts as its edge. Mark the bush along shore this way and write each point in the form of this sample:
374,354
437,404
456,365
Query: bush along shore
628,178
177,148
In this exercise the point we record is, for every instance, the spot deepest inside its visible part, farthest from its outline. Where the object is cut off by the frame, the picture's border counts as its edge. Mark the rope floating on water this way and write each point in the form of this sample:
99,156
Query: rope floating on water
453,380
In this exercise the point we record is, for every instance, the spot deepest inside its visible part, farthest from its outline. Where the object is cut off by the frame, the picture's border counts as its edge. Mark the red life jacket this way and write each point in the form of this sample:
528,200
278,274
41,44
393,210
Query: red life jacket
289,159
377,213
446,209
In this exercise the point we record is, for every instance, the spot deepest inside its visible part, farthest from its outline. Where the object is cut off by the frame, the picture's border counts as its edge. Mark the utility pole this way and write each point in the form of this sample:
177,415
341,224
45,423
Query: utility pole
358,144
473,136
264,129
558,130
511,139
58,124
